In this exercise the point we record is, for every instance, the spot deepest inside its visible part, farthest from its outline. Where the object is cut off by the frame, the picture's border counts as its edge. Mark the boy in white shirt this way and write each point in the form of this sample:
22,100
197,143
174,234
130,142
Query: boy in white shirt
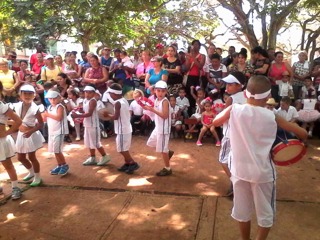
252,170
285,88
286,111
183,102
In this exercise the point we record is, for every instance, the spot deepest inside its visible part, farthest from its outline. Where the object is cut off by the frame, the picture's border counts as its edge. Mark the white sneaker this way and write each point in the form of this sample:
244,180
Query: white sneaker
104,160
78,138
90,161
104,134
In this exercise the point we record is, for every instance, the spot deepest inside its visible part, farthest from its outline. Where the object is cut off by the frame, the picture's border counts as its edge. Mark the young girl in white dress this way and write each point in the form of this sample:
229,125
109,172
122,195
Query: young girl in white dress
308,114
7,147
29,138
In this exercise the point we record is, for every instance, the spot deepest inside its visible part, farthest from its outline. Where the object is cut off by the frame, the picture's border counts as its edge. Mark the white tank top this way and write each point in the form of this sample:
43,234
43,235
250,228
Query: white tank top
29,120
93,120
3,109
252,133
57,127
236,98
122,125
163,126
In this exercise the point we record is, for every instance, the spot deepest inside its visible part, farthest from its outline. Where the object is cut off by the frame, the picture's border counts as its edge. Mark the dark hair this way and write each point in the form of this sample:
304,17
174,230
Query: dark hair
261,51
84,52
243,52
171,96
182,88
240,77
47,85
277,53
286,100
196,41
116,86
215,56
95,57
74,92
23,61
124,53
65,76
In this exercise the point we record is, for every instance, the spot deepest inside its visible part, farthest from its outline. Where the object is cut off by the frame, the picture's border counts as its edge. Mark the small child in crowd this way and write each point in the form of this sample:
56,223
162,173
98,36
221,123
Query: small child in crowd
199,96
271,104
253,172
176,117
29,138
286,111
206,119
92,134
306,88
122,128
161,134
136,111
285,88
56,117
183,102
75,104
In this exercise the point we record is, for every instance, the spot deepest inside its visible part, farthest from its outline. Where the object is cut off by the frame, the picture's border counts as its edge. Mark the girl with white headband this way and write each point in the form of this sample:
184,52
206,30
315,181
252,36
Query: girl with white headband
252,133
92,134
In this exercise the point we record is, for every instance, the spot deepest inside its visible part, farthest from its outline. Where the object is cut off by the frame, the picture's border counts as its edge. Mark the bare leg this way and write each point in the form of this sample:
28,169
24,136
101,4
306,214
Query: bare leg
245,228
101,151
262,233
166,159
92,152
226,169
202,132
60,158
127,157
215,134
10,169
25,162
34,161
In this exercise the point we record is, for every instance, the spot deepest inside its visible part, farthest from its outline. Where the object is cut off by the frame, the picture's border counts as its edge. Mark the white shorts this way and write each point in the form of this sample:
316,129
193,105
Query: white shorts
247,196
123,142
55,143
159,141
92,137
30,144
7,148
225,150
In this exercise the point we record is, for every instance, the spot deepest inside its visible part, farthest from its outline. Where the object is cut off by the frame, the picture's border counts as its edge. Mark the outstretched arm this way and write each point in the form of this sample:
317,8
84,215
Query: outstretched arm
222,117
292,127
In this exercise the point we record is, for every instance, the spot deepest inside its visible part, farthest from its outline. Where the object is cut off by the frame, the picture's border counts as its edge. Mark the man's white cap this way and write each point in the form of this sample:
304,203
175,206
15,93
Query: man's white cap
27,88
89,88
161,84
48,56
231,79
52,94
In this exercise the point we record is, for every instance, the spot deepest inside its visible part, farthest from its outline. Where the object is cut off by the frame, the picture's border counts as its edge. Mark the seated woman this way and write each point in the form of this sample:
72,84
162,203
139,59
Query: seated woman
156,74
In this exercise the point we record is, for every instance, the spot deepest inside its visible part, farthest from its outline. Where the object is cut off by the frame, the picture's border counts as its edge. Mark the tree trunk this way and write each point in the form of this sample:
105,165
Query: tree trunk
85,43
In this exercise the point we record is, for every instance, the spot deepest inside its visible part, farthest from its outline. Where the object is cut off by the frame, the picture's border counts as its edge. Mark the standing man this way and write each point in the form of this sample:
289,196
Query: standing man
228,60
34,58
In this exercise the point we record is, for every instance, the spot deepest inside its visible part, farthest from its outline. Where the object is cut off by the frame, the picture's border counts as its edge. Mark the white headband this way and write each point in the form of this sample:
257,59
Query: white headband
258,95
110,90
89,88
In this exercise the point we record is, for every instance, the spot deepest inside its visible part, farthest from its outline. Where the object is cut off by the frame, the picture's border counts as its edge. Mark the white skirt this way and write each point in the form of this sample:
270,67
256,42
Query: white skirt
308,115
7,148
30,144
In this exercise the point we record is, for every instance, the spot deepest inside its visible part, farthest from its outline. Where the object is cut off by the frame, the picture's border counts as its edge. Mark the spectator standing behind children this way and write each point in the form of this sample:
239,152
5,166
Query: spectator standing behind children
183,102
234,85
308,86
286,111
7,147
92,134
308,114
253,172
29,138
160,135
122,128
206,119
56,117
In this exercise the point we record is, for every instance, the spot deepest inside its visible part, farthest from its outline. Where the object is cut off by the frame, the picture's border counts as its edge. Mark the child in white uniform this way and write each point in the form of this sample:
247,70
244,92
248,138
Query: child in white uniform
29,138
253,172
7,146
122,127
57,126
160,135
92,134
234,84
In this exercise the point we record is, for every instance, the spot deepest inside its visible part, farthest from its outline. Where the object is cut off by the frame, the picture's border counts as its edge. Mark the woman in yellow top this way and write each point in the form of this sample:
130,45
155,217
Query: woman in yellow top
10,81
50,71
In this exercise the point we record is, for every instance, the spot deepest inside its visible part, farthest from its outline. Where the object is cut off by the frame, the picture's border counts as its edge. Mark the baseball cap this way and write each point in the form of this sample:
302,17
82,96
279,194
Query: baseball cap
161,84
235,77
181,50
52,94
27,88
48,56
159,45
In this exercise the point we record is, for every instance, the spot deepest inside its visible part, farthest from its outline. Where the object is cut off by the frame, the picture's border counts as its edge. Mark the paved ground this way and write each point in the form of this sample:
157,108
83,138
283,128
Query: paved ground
101,203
